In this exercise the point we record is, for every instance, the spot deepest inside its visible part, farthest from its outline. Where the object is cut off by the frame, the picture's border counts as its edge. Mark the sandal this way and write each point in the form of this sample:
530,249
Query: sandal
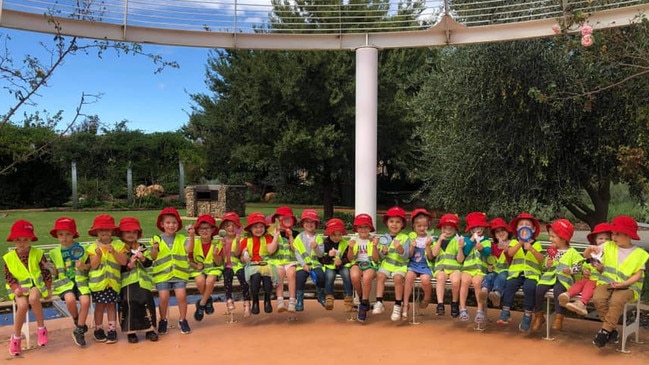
230,304
479,317
464,315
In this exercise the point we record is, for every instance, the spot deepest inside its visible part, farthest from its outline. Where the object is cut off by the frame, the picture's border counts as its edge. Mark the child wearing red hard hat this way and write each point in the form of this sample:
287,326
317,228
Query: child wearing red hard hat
104,277
621,278
561,265
284,258
493,285
170,267
525,268
71,278
137,307
336,262
28,279
586,285
364,257
421,254
231,225
446,267
308,246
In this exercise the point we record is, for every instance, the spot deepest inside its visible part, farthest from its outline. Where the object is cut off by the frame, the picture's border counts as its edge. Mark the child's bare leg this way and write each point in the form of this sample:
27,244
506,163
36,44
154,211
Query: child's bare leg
84,304
71,304
200,286
427,287
290,277
208,288
181,297
22,307
380,284
99,315
279,290
111,314
37,307
465,283
163,304
441,286
477,284
367,276
407,290
456,279
355,276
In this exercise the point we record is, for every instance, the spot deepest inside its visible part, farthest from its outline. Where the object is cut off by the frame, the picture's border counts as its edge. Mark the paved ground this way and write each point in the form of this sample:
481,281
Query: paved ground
323,337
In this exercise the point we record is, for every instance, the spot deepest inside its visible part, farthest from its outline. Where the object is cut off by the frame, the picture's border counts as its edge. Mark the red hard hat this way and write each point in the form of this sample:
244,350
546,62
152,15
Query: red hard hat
65,224
395,212
363,220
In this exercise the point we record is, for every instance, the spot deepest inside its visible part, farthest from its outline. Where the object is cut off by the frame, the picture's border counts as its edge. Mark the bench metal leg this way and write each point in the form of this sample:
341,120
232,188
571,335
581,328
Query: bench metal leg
549,317
413,304
631,328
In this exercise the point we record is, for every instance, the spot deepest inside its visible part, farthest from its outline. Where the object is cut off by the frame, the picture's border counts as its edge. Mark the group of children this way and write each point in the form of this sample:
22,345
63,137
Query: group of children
495,258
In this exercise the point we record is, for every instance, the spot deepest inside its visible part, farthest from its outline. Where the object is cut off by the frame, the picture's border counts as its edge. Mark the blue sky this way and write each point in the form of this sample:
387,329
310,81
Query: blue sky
150,102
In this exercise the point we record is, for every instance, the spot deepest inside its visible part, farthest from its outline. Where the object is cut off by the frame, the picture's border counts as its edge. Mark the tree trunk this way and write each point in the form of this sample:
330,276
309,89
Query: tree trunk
327,198
600,196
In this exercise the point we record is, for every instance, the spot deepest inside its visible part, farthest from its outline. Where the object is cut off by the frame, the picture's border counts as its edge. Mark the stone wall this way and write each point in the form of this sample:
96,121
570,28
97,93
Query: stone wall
215,200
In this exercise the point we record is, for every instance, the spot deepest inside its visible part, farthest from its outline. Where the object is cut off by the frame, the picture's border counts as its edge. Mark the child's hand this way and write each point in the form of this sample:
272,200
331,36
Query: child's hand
549,262
479,246
352,242
397,243
98,251
586,272
190,229
375,242
306,268
288,232
332,252
384,249
567,271
527,245
313,243
598,265
460,242
337,261
20,290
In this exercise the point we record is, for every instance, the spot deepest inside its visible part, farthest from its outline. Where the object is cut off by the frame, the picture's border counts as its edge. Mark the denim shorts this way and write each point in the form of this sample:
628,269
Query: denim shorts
171,285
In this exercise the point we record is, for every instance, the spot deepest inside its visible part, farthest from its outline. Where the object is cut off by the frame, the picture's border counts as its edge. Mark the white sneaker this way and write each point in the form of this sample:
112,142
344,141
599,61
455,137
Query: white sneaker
378,308
357,300
396,313
281,307
291,305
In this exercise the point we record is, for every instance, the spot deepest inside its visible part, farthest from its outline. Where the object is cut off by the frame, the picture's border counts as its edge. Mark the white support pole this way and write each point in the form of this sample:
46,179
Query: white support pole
366,130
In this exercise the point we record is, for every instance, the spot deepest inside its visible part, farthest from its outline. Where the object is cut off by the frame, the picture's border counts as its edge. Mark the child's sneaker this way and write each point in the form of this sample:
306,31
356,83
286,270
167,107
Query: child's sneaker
200,312
601,338
440,311
526,323
362,313
404,311
281,307
151,336
613,337
455,309
464,315
564,299
378,308
396,313
111,337
78,336
99,335
577,307
480,317
162,327
504,317
483,294
184,326
132,338
14,346
494,297
43,338
291,305
209,306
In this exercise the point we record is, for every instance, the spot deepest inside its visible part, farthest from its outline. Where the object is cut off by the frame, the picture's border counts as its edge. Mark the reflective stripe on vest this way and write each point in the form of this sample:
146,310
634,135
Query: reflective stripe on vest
283,255
170,263
342,246
108,274
209,268
566,261
370,252
60,282
26,277
447,259
614,272
474,263
307,252
524,262
393,260
139,274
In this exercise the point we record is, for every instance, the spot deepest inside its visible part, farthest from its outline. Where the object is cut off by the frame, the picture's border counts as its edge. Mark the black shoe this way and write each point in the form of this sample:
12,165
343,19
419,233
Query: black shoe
184,326
132,338
162,327
613,337
255,307
99,335
111,337
455,309
151,336
601,338
440,309
85,328
209,306
268,306
200,312
78,337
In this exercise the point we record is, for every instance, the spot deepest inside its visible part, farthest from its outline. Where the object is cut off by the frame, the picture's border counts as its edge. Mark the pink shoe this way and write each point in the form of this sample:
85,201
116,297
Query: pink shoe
43,338
14,346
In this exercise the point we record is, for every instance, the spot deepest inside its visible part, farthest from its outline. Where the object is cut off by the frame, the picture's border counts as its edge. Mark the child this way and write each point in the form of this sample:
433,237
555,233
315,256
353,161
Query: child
473,252
231,224
560,265
493,285
420,253
524,270
364,257
308,247
71,278
205,257
395,253
336,261
446,266
27,280
284,258
586,285
170,269
137,307
254,252
106,258
621,278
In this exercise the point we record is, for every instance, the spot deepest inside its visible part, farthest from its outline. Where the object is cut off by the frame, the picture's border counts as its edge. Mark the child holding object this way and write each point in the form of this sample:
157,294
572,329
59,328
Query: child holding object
447,267
493,285
308,246
232,266
420,253
364,257
472,254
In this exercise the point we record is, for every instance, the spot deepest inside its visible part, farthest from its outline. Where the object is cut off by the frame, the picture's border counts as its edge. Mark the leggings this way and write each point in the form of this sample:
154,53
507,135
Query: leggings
228,277
255,281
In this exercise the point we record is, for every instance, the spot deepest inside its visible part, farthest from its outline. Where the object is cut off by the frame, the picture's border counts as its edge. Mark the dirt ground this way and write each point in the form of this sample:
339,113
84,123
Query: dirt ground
323,337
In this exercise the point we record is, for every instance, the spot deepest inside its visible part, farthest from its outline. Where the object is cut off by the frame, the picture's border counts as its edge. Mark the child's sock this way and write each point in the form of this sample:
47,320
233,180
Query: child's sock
365,302
379,299
111,325
397,302
76,321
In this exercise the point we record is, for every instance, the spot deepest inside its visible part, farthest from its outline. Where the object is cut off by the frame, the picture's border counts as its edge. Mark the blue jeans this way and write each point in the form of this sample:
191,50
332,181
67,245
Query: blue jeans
330,276
302,277
529,292
557,289
495,282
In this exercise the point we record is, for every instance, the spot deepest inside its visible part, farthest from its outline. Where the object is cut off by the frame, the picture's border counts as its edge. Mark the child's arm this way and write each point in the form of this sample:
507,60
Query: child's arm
350,250
11,280
95,258
120,256
529,247
375,249
630,281
189,242
155,247
429,249
217,255
47,276
511,250
272,246
461,245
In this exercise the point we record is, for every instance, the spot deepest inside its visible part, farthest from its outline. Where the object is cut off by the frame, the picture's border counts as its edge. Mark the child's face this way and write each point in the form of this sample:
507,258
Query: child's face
22,244
65,237
478,230
525,223
395,225
363,231
421,225
602,237
448,230
501,234
170,225
621,239
130,236
308,225
230,228
336,237
556,240
258,229
206,231
104,235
